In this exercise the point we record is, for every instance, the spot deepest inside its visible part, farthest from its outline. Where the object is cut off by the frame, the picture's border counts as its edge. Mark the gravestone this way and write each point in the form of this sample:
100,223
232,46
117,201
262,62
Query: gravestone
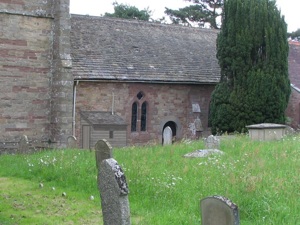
114,193
218,210
198,125
167,136
103,150
23,145
72,142
212,142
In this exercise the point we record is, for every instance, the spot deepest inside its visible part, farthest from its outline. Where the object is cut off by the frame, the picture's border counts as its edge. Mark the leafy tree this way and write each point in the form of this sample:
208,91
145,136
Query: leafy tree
202,12
295,35
129,12
252,51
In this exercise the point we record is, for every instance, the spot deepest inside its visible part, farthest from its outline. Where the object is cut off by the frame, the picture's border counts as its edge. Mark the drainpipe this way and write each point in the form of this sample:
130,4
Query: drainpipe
113,104
74,106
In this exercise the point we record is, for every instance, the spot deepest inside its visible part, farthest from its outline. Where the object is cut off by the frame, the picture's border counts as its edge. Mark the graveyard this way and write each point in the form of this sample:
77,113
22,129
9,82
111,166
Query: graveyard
261,178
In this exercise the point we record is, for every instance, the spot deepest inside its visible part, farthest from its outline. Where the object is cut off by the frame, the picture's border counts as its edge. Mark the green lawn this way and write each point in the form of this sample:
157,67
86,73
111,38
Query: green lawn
262,178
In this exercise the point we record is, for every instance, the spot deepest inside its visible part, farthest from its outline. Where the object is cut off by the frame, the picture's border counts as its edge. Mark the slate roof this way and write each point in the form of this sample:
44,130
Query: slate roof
102,118
139,51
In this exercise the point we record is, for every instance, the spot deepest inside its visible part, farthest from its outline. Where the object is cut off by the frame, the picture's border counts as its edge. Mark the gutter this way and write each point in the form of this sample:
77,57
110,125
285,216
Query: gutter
295,88
145,81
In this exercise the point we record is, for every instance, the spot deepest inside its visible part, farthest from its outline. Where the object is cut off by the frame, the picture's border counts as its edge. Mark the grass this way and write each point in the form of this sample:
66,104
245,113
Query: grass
262,178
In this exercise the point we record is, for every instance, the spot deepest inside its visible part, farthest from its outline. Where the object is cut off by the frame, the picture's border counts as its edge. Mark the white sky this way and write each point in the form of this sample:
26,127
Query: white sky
289,8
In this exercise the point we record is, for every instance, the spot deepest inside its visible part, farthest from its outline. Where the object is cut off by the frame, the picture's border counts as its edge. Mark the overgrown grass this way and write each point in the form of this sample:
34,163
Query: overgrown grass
262,178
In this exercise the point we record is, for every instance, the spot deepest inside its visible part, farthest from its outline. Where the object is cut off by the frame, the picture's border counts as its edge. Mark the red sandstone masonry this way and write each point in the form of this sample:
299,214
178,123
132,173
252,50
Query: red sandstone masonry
30,31
13,42
17,89
17,129
39,102
17,2
28,69
19,54
164,101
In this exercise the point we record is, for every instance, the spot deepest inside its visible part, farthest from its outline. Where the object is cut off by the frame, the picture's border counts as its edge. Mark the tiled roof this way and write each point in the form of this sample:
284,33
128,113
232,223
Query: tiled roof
103,118
138,51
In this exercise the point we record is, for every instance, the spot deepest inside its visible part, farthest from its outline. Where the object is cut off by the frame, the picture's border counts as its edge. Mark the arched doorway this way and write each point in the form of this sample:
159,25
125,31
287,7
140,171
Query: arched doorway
173,127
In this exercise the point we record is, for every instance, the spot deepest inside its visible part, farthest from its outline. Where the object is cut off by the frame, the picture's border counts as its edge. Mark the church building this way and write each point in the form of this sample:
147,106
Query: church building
91,78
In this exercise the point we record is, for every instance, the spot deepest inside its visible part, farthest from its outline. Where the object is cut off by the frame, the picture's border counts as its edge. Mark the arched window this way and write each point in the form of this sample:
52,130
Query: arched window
134,113
144,117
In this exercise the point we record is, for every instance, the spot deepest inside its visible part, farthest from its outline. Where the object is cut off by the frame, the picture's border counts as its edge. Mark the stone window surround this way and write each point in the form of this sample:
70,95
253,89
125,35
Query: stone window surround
139,113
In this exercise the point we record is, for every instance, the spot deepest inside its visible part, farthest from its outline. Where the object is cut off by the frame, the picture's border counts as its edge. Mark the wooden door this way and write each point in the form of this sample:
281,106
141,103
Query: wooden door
86,137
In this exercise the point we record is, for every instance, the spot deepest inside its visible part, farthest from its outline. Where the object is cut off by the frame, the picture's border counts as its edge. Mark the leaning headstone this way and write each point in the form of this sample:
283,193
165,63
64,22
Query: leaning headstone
212,142
114,193
103,150
71,142
167,135
218,210
23,145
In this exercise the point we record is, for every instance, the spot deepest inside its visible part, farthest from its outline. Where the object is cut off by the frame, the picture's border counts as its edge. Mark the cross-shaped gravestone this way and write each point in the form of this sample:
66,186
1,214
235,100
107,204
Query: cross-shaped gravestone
219,210
114,193
167,136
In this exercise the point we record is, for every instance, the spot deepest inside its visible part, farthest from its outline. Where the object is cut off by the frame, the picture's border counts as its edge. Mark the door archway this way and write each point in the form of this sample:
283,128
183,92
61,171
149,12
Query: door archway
173,127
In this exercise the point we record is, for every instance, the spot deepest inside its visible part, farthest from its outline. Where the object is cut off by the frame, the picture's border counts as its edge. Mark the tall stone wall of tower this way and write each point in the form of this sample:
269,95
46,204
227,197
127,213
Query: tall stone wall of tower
62,80
29,37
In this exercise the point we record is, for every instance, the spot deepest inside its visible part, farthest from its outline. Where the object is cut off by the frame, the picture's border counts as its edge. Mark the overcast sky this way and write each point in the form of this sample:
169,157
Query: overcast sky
289,8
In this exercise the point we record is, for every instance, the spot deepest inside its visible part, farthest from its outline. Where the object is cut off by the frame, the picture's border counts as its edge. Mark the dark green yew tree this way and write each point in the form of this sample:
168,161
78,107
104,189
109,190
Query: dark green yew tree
252,51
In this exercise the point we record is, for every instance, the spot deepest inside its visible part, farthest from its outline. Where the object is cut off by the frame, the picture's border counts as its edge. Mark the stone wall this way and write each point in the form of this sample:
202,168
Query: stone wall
62,79
29,30
38,8
165,102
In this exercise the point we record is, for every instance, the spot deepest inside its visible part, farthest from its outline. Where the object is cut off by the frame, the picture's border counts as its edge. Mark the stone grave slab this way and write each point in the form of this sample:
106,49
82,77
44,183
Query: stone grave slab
203,153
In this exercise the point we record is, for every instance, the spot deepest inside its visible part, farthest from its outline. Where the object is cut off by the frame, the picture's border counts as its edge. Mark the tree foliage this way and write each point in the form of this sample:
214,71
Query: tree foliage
252,51
295,35
129,12
202,12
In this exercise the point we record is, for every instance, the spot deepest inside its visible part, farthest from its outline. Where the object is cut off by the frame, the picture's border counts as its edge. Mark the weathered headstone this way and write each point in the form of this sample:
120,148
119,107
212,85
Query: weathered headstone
23,145
71,142
219,210
103,150
212,142
114,193
167,136
198,125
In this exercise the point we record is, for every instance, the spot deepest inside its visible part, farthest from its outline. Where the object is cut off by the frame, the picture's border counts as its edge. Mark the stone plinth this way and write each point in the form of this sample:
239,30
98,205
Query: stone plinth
266,131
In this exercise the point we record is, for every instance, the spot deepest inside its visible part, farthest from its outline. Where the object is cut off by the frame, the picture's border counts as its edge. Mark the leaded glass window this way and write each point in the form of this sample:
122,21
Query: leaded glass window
144,117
